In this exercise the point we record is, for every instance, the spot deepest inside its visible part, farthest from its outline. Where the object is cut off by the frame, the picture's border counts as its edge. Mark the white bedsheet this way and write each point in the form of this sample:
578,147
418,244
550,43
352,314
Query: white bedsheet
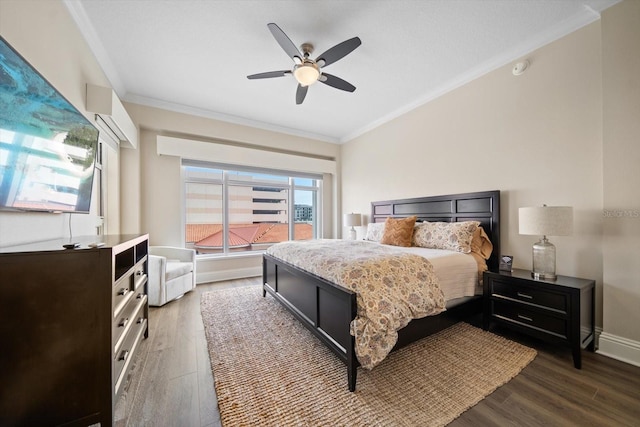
457,273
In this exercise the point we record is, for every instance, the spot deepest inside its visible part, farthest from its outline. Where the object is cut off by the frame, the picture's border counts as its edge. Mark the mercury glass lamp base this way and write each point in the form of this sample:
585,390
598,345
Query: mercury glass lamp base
544,260
352,234
543,276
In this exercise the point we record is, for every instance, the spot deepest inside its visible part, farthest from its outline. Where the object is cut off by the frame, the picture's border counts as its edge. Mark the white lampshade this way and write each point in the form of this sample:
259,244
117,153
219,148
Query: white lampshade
353,219
546,221
306,74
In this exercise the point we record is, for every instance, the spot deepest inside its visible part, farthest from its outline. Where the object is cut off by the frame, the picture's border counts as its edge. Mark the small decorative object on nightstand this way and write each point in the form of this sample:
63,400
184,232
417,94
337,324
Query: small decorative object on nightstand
506,263
352,220
545,221
559,311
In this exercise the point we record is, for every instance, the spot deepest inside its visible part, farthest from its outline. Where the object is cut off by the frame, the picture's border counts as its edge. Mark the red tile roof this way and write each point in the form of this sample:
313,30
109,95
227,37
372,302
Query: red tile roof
197,232
210,235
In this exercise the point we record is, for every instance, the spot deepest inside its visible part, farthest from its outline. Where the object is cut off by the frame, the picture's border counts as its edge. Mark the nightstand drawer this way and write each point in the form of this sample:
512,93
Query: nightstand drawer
529,294
560,310
531,318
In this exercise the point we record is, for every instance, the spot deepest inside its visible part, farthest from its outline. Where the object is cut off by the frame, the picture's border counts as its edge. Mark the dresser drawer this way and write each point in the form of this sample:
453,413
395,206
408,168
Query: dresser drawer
139,280
122,292
530,317
529,294
124,354
126,316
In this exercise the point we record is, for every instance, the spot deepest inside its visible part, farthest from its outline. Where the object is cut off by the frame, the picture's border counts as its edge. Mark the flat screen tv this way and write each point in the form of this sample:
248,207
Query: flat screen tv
47,147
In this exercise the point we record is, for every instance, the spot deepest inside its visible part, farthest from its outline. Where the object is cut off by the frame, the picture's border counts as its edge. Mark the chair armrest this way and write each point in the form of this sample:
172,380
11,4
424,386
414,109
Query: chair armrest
156,284
171,252
156,269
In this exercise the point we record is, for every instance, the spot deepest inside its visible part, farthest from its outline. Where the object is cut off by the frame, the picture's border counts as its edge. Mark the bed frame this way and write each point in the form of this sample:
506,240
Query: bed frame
327,309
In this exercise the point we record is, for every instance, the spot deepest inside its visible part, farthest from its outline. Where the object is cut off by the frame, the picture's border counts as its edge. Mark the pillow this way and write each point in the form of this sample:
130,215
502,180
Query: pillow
452,236
398,231
480,243
374,231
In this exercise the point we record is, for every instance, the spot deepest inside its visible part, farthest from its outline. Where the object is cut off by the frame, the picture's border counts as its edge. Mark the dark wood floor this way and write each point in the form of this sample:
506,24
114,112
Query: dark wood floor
172,385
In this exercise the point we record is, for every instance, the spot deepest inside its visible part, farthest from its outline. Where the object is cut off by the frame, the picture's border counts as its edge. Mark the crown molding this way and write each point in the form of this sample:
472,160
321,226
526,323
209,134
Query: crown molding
586,17
228,118
81,19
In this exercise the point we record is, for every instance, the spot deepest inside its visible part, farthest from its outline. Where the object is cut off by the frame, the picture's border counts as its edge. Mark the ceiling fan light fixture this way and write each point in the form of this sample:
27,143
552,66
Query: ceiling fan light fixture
306,74
307,71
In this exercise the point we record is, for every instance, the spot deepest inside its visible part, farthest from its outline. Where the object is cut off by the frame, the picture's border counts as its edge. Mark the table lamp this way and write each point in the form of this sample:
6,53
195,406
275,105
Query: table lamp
351,220
545,221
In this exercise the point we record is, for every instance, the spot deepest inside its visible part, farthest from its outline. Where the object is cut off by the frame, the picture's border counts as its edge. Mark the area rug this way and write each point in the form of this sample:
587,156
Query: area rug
271,371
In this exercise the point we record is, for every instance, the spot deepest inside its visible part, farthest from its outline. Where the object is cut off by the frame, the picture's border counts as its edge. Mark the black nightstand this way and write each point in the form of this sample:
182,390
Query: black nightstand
559,311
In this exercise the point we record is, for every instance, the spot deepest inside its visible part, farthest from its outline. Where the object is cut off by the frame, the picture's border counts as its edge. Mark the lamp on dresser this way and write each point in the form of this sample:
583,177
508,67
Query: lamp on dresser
545,221
352,220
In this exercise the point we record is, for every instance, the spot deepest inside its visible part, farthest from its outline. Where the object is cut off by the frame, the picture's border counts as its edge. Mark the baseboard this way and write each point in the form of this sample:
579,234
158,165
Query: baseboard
218,276
597,337
619,348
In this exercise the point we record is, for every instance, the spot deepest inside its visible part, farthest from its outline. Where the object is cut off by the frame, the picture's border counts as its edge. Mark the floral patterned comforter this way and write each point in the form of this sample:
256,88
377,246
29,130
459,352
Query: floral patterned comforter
392,287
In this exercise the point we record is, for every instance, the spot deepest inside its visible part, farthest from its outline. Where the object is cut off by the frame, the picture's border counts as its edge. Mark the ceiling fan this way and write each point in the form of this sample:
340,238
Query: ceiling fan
306,70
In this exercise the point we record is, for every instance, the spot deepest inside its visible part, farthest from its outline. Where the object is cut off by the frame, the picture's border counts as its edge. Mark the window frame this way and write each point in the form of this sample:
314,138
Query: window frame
227,180
100,187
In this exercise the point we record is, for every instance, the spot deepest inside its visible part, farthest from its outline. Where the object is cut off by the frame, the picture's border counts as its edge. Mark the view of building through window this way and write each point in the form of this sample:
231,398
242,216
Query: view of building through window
234,211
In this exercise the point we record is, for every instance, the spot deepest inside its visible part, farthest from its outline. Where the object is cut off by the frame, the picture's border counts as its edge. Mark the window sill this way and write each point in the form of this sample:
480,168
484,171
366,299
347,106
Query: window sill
253,254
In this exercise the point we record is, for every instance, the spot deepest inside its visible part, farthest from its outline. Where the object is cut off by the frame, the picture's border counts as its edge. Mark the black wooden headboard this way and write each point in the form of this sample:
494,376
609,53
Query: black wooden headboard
483,206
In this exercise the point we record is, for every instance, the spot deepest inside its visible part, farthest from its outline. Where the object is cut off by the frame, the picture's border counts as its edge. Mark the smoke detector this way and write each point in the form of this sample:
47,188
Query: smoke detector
520,67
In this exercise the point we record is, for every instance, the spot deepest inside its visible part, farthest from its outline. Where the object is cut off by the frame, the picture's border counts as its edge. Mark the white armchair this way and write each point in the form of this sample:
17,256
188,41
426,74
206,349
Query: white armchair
172,273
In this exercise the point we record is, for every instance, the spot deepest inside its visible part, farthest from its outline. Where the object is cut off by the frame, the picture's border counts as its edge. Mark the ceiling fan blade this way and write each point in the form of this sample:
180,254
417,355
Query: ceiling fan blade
285,42
336,82
269,74
301,93
338,52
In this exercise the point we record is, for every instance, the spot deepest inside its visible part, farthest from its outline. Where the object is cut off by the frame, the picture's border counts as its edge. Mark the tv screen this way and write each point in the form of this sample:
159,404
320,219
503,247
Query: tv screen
47,147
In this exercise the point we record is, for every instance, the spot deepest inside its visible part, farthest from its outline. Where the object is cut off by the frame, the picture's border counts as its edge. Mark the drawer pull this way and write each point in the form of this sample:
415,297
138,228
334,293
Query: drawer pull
521,295
123,291
123,355
123,322
139,296
140,320
529,319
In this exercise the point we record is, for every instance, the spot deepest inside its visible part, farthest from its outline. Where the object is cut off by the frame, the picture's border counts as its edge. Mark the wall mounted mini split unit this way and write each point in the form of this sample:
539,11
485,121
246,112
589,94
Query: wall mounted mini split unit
116,127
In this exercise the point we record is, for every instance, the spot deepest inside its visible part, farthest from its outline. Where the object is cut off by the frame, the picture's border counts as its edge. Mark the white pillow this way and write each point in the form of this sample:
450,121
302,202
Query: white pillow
453,236
375,230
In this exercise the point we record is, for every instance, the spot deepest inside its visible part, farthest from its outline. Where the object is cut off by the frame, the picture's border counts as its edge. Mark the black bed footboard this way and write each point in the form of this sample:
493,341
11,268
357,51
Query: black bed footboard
323,307
327,309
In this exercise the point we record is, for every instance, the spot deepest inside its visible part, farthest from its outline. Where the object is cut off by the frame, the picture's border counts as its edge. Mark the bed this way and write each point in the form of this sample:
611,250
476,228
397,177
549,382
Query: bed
327,308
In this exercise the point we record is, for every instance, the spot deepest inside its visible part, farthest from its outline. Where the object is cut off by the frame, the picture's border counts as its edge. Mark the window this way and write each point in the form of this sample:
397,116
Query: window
244,210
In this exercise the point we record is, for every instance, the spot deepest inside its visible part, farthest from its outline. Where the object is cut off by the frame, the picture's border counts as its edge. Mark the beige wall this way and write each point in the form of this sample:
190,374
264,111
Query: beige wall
537,138
566,132
621,142
152,188
43,32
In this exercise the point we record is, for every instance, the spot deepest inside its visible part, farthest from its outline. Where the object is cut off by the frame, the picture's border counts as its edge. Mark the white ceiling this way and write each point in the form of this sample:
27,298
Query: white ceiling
193,56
